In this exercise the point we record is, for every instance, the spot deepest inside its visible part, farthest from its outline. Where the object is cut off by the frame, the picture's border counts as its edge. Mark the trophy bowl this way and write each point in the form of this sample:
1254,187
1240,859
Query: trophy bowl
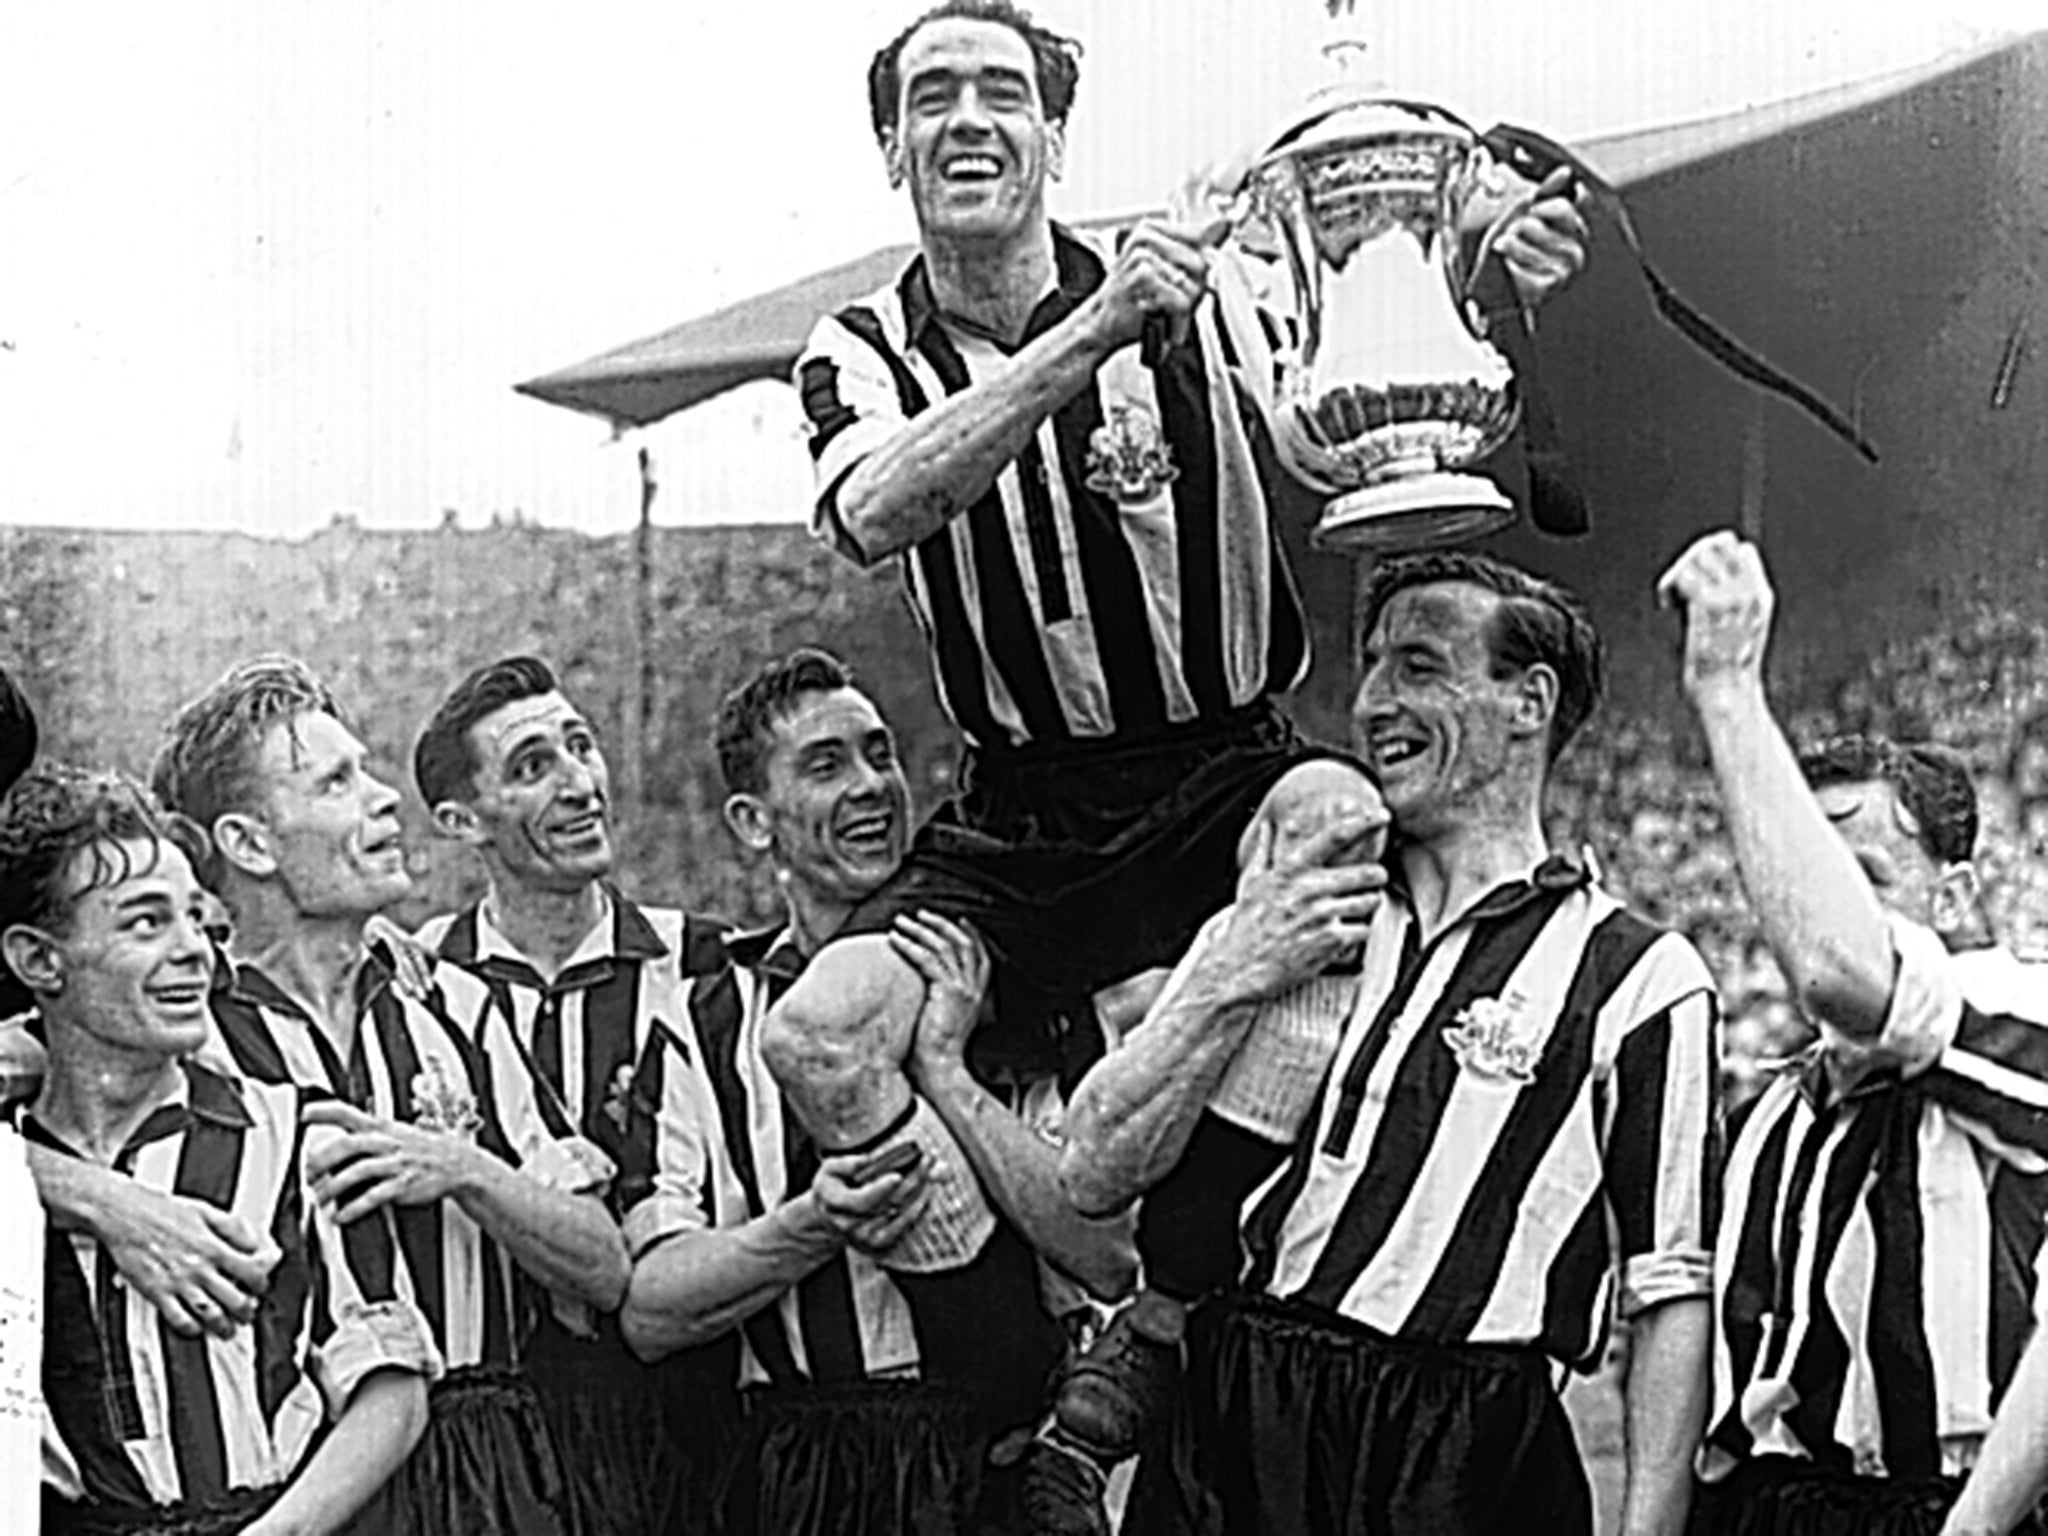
1387,390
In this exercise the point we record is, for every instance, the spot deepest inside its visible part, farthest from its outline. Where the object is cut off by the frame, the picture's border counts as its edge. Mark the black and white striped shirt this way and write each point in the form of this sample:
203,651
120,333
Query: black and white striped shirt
1123,574
1874,1279
141,1415
848,1321
414,1062
1520,1130
607,1033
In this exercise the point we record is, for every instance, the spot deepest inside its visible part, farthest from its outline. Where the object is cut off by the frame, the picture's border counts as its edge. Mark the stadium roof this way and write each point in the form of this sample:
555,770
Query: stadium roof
759,338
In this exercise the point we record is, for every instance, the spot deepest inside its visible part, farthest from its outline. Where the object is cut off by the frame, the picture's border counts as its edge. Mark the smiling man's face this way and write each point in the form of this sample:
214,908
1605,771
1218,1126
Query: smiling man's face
1431,717
971,138
835,805
542,806
135,959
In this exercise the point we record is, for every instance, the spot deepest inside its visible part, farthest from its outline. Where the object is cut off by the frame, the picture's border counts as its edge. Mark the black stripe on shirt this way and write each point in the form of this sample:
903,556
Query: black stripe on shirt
817,382
1818,1374
209,1168
1005,606
2013,1042
2018,1203
1899,1359
419,1226
1495,948
1748,1304
824,1298
1457,1293
1181,383
291,1287
89,1420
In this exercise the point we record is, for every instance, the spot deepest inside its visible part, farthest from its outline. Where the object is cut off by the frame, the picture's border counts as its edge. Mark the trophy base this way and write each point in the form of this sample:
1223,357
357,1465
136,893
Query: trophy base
1414,512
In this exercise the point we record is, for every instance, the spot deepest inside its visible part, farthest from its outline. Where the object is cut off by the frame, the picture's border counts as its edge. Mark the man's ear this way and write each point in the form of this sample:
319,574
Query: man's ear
748,817
892,157
452,818
1536,699
1055,151
244,844
35,957
1955,906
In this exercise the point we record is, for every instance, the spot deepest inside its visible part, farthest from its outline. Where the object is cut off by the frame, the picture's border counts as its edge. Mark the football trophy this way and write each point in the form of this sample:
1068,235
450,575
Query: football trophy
1386,389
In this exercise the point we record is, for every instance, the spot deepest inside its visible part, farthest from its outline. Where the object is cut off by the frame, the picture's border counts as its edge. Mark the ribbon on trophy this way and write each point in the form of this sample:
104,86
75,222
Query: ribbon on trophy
1554,500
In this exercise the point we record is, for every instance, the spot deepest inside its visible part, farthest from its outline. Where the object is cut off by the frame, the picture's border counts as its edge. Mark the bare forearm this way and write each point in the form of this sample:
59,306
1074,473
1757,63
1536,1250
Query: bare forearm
1130,1119
1021,1173
375,1433
944,459
1665,1400
2012,1464
73,1190
567,1242
1813,900
696,1286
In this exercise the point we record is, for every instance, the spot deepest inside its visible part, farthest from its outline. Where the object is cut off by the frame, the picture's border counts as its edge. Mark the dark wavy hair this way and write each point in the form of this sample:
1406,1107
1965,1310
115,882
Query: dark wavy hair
17,732
1055,59
1931,782
444,762
1537,621
745,733
52,815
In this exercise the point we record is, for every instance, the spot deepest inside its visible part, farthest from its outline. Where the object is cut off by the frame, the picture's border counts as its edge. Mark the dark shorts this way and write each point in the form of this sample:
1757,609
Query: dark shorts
1292,1419
214,1518
1080,866
1784,1496
861,1459
486,1466
640,1446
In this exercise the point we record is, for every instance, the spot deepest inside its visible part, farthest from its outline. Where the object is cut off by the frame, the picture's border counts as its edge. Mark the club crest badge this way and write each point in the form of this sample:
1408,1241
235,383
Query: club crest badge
1128,458
1491,1037
618,1097
443,1102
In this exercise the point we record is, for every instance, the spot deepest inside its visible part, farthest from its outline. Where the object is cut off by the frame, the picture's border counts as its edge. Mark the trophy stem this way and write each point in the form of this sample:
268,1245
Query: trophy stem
1415,512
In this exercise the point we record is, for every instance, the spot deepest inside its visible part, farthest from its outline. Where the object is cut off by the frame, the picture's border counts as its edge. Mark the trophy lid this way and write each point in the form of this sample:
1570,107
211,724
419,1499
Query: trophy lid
1359,116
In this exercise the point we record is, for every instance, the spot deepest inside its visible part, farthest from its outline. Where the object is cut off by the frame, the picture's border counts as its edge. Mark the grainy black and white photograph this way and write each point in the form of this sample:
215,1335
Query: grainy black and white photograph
989,768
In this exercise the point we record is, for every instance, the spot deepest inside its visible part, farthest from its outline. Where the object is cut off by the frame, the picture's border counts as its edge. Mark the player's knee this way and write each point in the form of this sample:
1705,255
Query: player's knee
797,1042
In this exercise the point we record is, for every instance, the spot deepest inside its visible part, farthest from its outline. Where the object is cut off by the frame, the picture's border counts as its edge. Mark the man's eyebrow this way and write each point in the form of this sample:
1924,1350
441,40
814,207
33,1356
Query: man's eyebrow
1845,813
947,73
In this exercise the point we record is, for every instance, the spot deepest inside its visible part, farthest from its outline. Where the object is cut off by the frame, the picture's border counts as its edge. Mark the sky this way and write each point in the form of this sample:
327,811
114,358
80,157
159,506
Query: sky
262,265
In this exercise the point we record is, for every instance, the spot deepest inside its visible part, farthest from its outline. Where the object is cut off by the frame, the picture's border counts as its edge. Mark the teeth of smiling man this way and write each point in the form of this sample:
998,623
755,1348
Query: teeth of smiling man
973,167
873,829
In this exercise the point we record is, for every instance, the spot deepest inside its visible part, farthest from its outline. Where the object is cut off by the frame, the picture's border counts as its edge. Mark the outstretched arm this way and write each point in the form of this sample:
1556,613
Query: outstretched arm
1812,898
1016,1166
198,1265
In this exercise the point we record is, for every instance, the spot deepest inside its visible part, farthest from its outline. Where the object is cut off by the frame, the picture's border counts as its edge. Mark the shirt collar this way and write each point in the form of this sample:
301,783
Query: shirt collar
1077,272
200,1094
622,933
244,981
1557,873
772,951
